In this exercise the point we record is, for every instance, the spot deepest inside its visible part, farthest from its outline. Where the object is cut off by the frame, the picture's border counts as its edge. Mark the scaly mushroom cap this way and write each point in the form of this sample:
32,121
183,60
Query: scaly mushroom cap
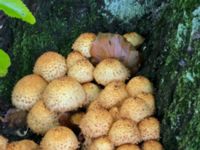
73,58
40,119
94,105
124,131
152,145
83,44
64,94
114,93
135,109
3,143
128,147
149,129
149,99
109,70
92,91
139,84
96,123
102,143
114,111
22,145
134,38
82,71
50,66
59,138
28,91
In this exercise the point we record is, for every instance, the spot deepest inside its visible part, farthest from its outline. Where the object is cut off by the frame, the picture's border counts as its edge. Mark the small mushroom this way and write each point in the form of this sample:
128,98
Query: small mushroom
149,129
110,70
83,44
22,145
64,94
3,143
50,66
73,58
128,147
152,145
134,38
102,143
28,91
124,131
59,138
114,111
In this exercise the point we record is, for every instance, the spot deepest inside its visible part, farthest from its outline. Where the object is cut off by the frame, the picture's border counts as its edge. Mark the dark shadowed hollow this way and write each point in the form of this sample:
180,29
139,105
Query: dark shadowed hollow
170,53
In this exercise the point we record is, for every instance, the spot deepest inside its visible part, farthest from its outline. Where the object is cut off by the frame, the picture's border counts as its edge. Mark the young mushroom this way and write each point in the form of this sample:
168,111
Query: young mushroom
64,94
83,44
28,91
50,66
149,129
3,143
124,131
109,70
134,38
73,58
40,119
59,138
152,145
22,145
102,143
128,147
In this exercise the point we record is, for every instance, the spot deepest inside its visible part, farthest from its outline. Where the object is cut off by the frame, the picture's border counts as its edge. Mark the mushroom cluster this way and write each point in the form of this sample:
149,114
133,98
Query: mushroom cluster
89,94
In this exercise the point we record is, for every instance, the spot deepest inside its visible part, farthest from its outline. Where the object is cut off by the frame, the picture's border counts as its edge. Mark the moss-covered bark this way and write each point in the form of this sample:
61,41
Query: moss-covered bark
171,53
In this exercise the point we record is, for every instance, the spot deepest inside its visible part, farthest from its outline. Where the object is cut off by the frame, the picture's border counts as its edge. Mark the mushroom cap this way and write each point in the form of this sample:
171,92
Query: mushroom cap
59,138
82,71
149,129
152,145
92,91
114,111
149,99
28,91
102,143
139,84
76,118
50,66
83,44
135,109
114,93
22,145
128,147
64,94
124,131
109,70
73,58
134,38
3,142
94,105
96,123
40,119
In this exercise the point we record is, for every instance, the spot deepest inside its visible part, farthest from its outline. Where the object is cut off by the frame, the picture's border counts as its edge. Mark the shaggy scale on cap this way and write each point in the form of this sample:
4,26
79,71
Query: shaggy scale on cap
124,131
149,129
110,70
128,147
73,58
28,91
64,94
22,145
102,143
50,66
96,123
135,109
152,145
83,44
59,138
40,119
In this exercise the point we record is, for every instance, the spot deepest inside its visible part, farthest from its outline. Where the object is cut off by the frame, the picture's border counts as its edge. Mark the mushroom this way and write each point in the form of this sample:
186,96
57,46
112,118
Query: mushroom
76,118
134,38
139,84
149,99
128,147
152,145
50,66
149,129
114,93
40,119
22,145
110,70
102,143
92,91
135,109
83,44
3,142
94,105
59,138
64,94
82,71
96,123
124,131
114,111
28,91
73,58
